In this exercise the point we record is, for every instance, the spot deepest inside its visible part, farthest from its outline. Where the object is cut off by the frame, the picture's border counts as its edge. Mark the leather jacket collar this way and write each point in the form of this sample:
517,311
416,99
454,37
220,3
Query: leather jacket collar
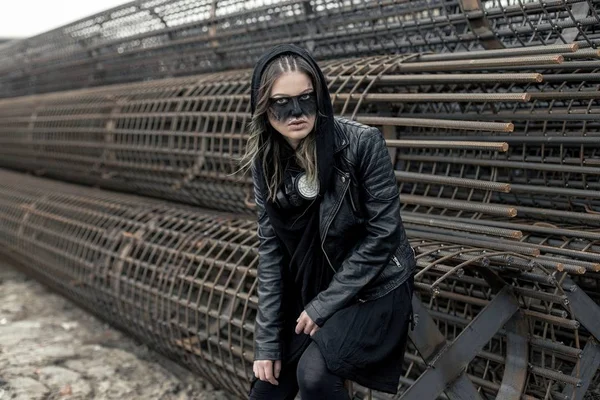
341,139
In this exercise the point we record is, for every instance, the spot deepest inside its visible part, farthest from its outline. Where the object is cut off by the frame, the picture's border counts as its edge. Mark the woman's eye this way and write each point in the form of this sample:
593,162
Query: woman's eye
306,96
281,101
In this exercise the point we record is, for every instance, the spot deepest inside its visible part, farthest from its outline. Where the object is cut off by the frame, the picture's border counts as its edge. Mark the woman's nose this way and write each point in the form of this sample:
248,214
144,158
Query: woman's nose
296,110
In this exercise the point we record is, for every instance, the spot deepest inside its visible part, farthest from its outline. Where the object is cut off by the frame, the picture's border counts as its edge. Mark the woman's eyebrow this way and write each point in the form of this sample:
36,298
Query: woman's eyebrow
307,90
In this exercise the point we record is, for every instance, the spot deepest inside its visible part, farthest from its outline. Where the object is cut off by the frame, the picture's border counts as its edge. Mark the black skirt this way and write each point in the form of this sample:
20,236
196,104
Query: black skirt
365,342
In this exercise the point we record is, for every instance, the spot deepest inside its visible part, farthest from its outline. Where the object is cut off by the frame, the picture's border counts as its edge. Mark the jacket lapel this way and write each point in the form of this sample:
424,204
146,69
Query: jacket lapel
338,186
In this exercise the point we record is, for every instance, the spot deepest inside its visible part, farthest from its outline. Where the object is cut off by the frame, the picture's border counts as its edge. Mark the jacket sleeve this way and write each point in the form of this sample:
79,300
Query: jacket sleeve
268,324
381,209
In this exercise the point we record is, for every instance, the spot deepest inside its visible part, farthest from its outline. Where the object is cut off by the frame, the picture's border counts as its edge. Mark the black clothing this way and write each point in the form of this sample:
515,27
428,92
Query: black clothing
360,231
353,239
365,342
315,380
304,276
309,375
303,271
286,390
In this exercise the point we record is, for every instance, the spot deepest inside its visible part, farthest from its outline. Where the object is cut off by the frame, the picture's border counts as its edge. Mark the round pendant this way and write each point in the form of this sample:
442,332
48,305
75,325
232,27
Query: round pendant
308,190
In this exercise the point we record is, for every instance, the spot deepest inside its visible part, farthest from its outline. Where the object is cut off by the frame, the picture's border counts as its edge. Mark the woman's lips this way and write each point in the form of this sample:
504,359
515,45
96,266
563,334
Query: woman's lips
297,122
297,125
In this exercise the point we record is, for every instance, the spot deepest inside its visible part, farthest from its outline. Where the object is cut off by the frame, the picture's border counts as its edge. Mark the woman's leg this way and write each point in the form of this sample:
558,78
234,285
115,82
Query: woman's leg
286,390
315,380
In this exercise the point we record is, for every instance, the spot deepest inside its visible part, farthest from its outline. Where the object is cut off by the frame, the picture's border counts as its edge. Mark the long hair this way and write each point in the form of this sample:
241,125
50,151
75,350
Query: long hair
264,142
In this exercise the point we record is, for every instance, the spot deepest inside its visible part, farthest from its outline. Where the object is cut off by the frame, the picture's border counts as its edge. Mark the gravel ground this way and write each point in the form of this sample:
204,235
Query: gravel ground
50,349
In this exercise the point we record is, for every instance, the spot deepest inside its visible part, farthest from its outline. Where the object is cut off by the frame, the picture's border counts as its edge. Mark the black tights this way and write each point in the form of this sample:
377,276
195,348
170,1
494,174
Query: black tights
310,376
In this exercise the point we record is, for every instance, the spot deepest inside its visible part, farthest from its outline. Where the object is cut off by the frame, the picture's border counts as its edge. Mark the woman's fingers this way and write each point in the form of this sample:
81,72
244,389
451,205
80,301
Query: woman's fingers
309,327
314,330
261,373
269,375
300,326
303,319
305,324
263,369
277,368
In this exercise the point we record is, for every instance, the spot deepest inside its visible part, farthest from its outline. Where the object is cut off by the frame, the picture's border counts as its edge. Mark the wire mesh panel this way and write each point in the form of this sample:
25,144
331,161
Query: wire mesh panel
470,136
183,280
156,39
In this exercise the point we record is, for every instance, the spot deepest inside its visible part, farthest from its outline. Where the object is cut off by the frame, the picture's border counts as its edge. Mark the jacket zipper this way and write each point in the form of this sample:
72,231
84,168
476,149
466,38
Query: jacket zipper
354,208
331,220
396,261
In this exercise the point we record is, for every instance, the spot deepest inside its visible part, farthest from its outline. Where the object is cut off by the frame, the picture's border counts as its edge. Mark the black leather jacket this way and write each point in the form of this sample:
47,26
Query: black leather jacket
361,233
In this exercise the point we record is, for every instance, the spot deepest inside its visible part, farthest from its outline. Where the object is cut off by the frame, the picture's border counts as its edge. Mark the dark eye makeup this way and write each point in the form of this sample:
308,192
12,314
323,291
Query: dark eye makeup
283,100
286,107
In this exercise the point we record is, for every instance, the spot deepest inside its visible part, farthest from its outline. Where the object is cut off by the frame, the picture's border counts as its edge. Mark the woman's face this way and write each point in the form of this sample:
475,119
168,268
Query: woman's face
293,106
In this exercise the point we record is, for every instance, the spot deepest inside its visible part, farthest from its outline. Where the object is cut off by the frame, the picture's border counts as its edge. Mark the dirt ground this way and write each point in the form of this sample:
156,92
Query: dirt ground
50,349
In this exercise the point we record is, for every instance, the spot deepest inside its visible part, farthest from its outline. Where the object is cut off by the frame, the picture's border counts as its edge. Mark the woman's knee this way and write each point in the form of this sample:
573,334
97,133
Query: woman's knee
311,370
313,376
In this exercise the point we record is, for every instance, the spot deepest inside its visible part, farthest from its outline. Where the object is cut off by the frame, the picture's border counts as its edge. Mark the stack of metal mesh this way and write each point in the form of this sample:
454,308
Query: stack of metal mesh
495,153
149,39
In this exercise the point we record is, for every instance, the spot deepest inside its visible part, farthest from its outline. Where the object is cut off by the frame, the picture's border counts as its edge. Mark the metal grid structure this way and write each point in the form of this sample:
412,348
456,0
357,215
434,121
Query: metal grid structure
490,113
492,324
472,135
165,38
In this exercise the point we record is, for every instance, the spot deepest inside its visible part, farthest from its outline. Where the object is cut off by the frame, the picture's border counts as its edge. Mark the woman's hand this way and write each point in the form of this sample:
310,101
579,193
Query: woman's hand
306,325
267,370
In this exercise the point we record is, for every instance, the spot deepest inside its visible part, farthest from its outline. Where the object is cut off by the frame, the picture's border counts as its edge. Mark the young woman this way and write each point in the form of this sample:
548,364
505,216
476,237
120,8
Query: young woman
335,273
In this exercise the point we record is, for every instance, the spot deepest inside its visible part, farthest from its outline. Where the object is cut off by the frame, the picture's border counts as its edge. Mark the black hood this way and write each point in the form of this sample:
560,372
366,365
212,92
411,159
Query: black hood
324,121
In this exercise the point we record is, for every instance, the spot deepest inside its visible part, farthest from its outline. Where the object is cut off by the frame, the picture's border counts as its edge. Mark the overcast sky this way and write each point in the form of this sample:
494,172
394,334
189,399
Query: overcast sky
24,18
